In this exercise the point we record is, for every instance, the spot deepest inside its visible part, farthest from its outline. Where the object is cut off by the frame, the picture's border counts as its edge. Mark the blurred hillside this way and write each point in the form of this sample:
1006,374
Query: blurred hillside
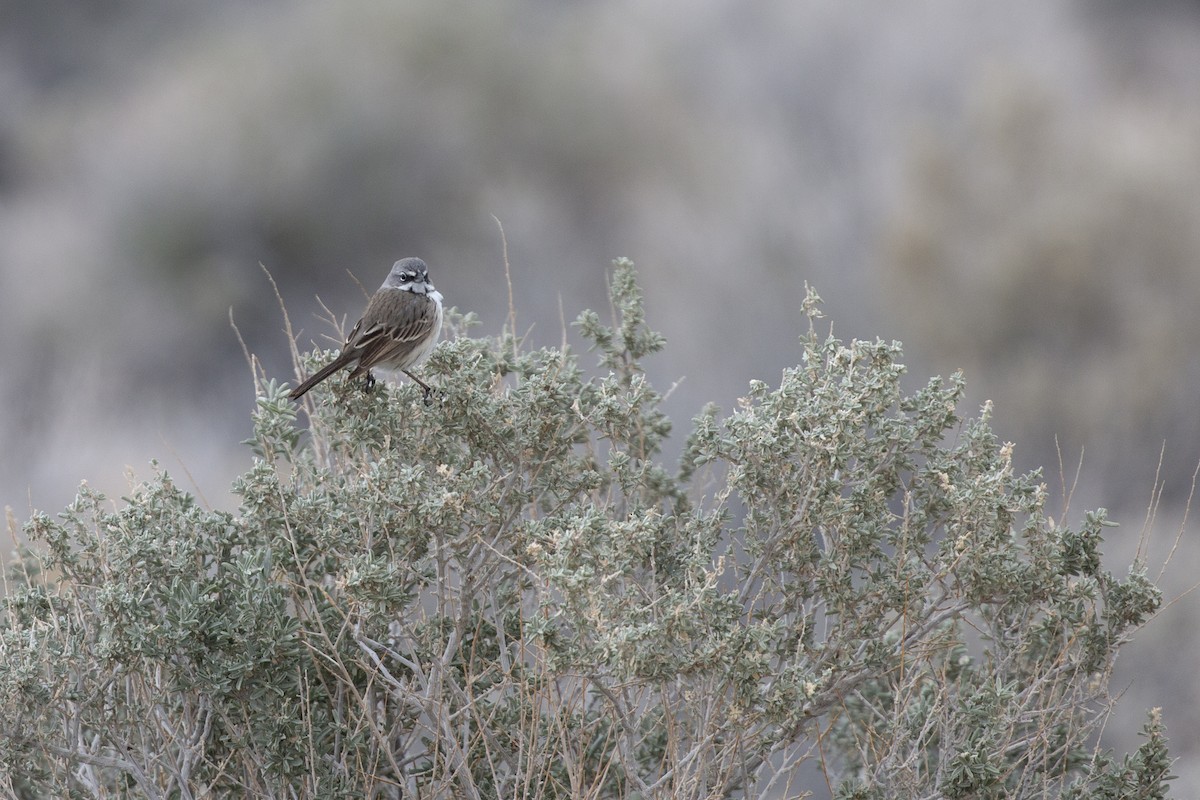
1009,188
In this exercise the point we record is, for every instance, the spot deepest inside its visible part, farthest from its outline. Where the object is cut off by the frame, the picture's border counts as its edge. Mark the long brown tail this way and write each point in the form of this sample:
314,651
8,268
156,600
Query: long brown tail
320,375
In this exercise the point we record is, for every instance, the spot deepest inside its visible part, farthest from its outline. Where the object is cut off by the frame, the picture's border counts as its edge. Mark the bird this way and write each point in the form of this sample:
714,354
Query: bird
399,328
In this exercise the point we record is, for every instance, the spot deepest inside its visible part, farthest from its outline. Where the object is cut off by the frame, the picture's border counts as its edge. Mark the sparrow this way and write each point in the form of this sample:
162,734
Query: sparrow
399,328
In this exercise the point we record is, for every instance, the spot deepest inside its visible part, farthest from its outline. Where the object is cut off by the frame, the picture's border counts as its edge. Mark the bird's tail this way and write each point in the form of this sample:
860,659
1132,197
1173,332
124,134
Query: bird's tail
320,375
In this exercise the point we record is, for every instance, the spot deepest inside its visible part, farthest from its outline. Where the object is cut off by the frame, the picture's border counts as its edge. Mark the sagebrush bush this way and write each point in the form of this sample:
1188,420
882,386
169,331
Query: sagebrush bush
506,594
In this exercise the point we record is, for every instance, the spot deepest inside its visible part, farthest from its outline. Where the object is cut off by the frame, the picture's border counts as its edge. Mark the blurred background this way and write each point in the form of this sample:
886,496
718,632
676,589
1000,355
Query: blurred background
1011,189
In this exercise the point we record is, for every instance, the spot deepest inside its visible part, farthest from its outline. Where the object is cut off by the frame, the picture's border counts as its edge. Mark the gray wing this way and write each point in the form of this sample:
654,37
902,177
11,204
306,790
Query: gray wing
393,325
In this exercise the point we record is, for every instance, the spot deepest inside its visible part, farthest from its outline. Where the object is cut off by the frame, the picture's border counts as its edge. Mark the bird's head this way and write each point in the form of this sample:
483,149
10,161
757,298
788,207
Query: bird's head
409,274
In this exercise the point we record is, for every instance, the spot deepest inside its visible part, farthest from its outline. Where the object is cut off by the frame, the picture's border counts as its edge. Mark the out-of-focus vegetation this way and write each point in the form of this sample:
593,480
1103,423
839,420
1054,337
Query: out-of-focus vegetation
1030,161
1057,250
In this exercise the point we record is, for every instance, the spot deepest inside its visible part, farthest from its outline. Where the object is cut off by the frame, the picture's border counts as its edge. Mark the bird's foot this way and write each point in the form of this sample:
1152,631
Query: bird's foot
428,390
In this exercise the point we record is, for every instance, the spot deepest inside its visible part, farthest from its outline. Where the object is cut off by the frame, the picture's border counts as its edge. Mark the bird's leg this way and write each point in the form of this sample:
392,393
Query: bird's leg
422,384
369,381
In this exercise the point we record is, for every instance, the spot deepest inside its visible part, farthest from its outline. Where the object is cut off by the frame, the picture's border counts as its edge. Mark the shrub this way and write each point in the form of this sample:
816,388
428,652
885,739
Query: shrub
505,594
